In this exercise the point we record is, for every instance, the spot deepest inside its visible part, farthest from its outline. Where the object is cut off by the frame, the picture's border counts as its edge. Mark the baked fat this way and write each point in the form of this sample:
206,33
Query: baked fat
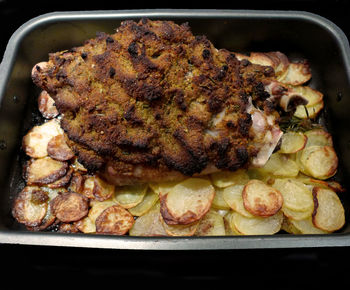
152,102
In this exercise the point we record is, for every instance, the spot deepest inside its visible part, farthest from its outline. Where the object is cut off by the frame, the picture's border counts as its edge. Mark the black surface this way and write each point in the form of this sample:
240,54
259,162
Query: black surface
266,269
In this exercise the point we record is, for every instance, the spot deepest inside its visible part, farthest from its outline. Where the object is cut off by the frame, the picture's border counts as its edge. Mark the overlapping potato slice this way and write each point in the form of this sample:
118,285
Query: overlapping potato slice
311,95
46,105
130,195
328,212
44,170
309,111
305,227
146,204
212,224
179,230
34,143
96,187
318,137
149,224
233,197
114,220
63,181
281,165
320,162
261,199
297,73
187,202
292,142
70,206
219,201
223,179
30,206
257,225
162,188
58,149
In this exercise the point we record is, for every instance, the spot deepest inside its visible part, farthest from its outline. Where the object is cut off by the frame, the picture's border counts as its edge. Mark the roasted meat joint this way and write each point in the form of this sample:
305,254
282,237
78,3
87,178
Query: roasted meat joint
148,130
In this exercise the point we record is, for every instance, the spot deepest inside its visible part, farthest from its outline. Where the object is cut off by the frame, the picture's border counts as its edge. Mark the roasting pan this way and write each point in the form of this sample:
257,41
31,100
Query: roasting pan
297,34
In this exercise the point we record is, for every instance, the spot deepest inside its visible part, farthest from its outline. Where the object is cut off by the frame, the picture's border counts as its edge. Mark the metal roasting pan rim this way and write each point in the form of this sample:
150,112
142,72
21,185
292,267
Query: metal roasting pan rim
170,243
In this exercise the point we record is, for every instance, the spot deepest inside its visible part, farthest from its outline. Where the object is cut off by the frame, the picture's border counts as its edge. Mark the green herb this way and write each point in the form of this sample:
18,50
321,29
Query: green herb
292,123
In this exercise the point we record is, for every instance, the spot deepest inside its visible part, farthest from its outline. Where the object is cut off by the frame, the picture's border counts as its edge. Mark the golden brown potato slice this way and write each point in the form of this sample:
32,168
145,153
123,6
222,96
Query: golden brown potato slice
318,137
260,199
328,212
98,207
63,181
187,202
149,224
257,225
223,179
146,204
58,149
34,143
212,224
96,188
46,105
281,165
233,197
309,112
70,206
44,171
30,206
312,96
296,74
114,220
320,162
277,60
130,195
178,230
292,142
219,201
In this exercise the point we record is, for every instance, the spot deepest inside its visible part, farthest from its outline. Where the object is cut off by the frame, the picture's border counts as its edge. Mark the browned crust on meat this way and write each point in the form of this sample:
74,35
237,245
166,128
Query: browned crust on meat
147,95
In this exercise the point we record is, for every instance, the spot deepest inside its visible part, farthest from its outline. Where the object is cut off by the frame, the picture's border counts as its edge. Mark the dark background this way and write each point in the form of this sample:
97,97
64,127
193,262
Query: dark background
261,269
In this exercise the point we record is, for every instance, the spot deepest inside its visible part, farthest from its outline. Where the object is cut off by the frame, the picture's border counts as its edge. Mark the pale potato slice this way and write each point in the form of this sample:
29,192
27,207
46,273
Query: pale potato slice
44,171
320,162
219,201
296,74
312,96
114,220
257,225
296,195
292,142
223,179
230,229
261,199
288,227
212,224
318,137
149,224
46,105
281,165
70,206
306,227
233,197
34,143
187,202
179,230
98,207
308,112
85,225
146,204
30,206
130,195
296,215
58,149
329,213
162,188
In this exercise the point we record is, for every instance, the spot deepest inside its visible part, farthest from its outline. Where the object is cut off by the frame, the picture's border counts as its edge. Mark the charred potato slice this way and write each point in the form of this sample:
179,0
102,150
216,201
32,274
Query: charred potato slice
58,149
46,105
63,181
114,220
30,206
261,199
70,206
34,143
44,171
292,142
212,224
328,212
187,202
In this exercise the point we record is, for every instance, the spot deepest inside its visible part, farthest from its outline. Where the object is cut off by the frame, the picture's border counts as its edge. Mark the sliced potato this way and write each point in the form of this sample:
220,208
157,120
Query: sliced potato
58,149
85,225
233,197
114,220
70,206
223,179
34,143
308,112
318,137
178,230
102,190
149,224
187,202
63,181
292,142
130,195
46,105
230,229
98,207
260,199
277,60
162,188
44,171
212,224
288,227
296,215
146,204
296,195
257,225
306,227
281,165
296,74
320,162
219,201
309,94
30,206
329,213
